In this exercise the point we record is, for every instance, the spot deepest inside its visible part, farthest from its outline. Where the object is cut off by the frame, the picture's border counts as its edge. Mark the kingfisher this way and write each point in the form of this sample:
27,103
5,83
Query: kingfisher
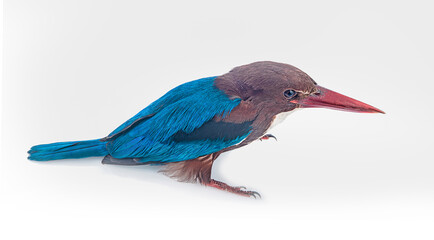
186,129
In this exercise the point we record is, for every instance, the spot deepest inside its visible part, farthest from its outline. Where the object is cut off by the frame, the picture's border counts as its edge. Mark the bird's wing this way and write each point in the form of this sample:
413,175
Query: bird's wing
188,122
173,96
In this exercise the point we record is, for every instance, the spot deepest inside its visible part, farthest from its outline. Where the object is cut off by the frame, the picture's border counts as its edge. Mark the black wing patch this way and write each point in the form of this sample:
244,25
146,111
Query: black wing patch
214,131
108,159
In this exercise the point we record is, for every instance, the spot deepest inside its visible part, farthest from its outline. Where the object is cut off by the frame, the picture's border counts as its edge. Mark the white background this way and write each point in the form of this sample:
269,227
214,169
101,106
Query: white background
75,70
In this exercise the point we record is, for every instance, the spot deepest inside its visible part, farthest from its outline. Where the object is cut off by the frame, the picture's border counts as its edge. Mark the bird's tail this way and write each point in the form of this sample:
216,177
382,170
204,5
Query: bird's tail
66,150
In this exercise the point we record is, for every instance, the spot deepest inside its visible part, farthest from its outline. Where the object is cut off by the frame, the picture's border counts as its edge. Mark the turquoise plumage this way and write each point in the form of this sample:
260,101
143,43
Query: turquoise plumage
148,136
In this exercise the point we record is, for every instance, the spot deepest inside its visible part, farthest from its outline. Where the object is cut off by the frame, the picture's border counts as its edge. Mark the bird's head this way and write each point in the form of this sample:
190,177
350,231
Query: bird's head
278,87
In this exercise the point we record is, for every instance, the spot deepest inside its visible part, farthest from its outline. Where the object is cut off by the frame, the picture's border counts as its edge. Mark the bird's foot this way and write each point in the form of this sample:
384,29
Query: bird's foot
236,190
267,136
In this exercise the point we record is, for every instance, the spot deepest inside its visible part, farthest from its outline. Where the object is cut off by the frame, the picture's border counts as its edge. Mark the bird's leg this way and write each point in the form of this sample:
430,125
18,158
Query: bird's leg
236,190
267,136
199,170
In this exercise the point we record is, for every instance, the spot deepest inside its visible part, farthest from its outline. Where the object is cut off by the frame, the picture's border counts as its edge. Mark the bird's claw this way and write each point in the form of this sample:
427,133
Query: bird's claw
237,190
254,194
243,190
267,136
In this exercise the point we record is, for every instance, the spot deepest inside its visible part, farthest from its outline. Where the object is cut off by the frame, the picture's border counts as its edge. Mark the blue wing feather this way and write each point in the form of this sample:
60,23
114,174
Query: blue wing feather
173,96
183,109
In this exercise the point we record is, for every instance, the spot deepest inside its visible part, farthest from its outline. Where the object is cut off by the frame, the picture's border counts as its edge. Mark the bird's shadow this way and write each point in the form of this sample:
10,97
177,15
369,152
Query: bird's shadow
142,172
146,173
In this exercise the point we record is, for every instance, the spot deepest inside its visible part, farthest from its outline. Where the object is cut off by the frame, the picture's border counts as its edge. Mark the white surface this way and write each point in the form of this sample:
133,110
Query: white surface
77,69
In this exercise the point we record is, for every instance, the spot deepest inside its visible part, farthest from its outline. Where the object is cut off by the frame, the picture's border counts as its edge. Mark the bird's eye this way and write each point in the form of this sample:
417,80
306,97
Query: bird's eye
290,94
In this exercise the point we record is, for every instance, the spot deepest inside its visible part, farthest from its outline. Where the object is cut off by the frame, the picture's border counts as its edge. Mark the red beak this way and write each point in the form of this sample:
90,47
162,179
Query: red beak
333,100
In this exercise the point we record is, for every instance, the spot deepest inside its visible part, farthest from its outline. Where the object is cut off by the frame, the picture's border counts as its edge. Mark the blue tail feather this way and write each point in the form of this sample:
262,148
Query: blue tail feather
66,150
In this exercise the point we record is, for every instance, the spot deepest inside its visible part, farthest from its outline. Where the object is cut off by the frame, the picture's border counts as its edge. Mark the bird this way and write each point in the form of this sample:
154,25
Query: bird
187,128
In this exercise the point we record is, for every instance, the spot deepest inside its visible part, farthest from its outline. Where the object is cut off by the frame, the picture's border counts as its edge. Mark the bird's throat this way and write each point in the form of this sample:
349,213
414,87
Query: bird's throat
279,118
